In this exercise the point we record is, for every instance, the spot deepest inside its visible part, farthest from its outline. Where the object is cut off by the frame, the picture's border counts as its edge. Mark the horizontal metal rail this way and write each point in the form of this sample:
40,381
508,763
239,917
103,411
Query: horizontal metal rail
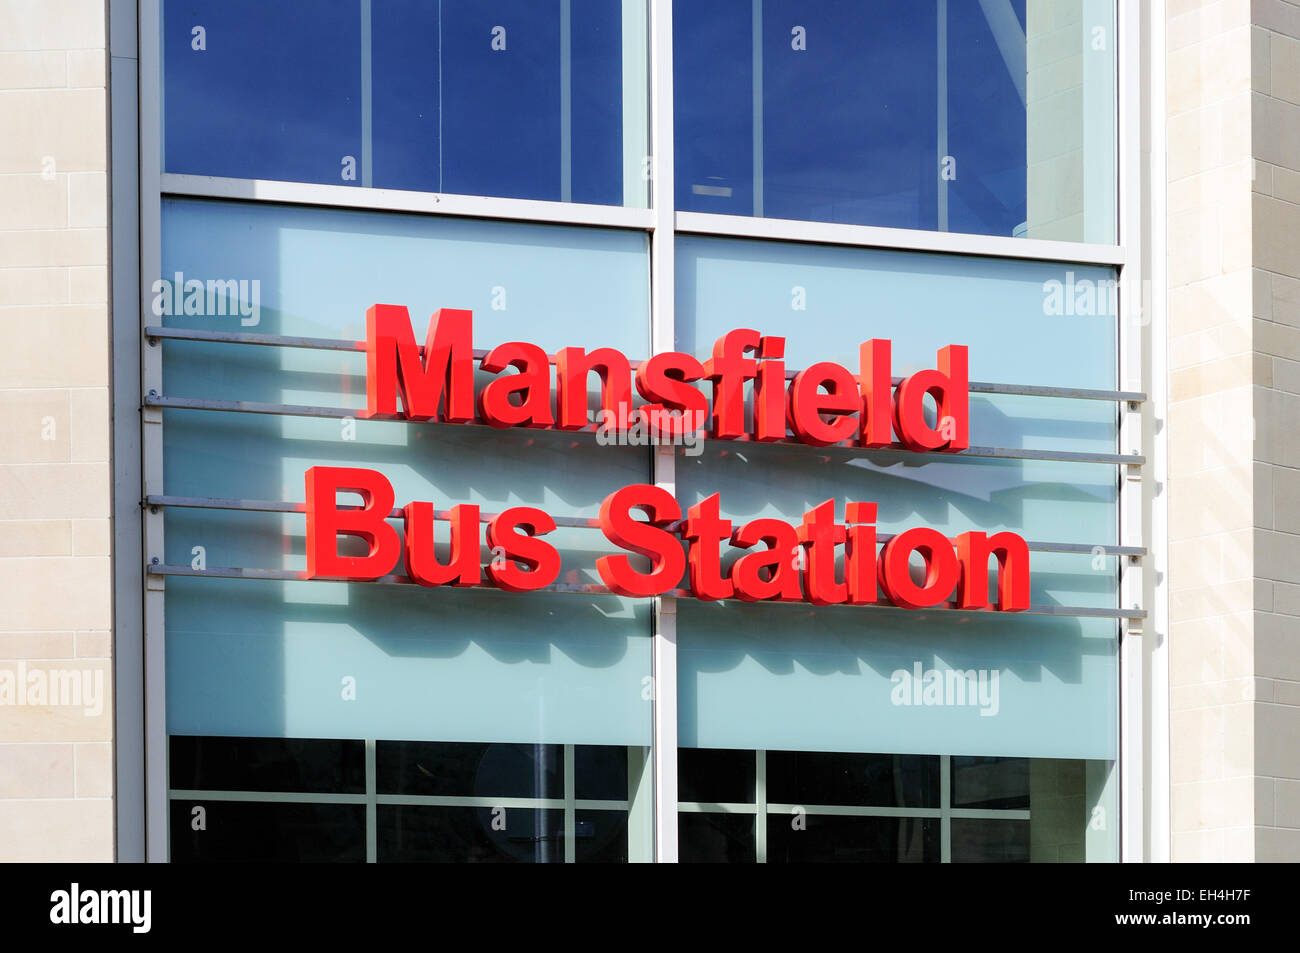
594,589
570,522
332,344
343,413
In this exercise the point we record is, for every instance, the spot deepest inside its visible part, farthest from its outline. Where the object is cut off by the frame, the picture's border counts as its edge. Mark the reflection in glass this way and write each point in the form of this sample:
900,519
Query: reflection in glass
993,118
512,98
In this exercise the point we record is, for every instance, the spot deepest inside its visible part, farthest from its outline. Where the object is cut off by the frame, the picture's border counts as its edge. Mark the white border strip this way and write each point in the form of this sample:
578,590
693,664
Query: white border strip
401,200
900,239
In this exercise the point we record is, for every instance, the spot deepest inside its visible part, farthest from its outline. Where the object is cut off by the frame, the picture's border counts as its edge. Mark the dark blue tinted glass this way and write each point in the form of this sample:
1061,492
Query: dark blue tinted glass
267,832
906,115
512,98
262,90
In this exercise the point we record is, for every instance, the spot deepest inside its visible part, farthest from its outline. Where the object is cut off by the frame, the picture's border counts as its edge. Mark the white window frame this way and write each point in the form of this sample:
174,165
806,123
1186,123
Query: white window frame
1143,715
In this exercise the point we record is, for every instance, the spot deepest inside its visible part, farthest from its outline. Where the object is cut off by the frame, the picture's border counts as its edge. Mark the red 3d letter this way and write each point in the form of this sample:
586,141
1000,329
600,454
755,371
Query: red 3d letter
941,568
1012,552
393,364
462,567
540,558
667,560
326,522
950,388
533,381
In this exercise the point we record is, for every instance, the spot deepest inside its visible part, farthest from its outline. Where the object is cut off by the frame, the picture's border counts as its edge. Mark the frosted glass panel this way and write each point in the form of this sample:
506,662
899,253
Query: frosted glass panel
805,678
269,658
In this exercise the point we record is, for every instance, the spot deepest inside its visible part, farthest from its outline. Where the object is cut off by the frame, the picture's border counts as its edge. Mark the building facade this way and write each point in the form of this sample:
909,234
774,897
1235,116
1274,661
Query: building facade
842,432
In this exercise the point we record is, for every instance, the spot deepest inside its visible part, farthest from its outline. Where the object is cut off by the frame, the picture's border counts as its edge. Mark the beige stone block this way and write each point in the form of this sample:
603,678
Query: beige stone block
36,645
1286,500
1284,68
54,347
1261,293
86,69
1191,847
1265,802
68,124
1212,804
1280,16
1208,304
1271,230
1211,377
1277,648
1229,604
30,201
1263,499
57,831
1194,247
57,592
1239,845
1277,340
48,247
1196,564
77,704
87,200
1264,595
33,286
1276,729
46,69
1286,185
1261,177
1211,501
1275,133
94,770
91,425
1212,136
1286,300
1196,745
1260,44
94,644
1286,600
1277,439
1286,692
88,285
1222,694
36,538
1239,741
1212,69
1277,845
40,770
92,537
1195,653
1263,370
34,426
1195,20
52,24
46,491
1277,555
1286,802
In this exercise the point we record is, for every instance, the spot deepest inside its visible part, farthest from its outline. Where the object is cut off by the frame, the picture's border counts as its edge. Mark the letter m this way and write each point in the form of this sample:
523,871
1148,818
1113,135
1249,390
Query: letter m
394,366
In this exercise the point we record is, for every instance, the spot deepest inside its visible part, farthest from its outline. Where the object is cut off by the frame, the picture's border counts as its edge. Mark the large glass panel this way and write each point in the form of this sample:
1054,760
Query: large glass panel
537,99
464,694
995,118
845,679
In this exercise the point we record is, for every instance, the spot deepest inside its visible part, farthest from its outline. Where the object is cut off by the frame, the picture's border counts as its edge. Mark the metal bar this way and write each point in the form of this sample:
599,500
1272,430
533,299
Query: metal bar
342,413
595,589
331,344
400,200
574,522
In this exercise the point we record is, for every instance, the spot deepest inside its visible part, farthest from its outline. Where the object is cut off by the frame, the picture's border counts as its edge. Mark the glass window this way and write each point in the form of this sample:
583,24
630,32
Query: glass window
992,118
511,98
825,807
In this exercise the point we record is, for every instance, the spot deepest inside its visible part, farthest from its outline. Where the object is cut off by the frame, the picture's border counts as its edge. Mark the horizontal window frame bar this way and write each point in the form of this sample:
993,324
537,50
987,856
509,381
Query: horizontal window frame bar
360,198
900,239
159,333
358,413
851,810
569,522
595,589
400,800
